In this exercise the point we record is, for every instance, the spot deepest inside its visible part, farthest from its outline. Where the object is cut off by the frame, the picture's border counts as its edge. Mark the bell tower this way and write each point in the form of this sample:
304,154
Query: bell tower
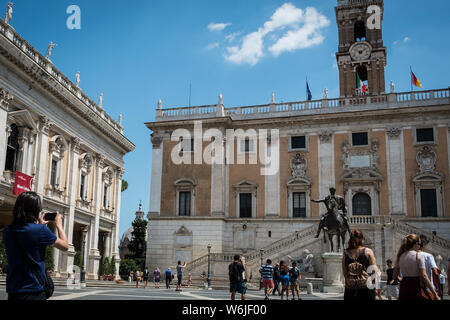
361,56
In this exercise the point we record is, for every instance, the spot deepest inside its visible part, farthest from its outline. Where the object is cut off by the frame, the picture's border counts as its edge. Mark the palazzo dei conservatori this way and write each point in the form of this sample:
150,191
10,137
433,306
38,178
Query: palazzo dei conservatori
386,152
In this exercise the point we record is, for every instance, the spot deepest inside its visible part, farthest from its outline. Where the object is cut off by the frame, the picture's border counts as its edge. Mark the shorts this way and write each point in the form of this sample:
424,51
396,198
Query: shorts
138,279
268,283
145,278
285,280
157,279
238,287
294,284
392,291
180,277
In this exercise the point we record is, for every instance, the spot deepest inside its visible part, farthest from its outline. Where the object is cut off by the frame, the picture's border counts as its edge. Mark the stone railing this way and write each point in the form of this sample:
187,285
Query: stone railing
370,219
45,64
406,229
368,102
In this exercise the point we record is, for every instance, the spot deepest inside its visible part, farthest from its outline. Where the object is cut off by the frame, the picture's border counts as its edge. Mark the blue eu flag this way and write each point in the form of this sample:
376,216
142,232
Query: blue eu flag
308,92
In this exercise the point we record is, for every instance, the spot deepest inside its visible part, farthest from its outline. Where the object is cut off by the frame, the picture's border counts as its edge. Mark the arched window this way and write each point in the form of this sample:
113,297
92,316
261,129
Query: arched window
12,150
360,31
361,80
361,204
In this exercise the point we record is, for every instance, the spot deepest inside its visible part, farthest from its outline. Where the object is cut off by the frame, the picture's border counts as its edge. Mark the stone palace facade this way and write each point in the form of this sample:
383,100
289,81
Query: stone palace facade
387,153
50,130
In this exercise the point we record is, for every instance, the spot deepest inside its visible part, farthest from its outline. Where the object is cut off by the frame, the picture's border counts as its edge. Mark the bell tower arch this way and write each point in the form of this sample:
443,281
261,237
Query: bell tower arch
361,55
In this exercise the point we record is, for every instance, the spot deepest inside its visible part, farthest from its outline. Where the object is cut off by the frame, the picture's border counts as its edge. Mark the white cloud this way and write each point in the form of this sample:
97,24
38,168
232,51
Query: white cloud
212,46
407,39
395,43
250,52
217,26
303,26
306,36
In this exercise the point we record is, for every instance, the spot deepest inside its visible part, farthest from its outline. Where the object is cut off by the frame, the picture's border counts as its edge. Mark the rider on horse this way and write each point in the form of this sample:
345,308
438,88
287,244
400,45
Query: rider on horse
329,202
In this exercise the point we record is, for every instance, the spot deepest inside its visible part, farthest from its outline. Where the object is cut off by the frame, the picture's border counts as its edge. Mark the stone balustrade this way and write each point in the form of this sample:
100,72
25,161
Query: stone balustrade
40,60
364,102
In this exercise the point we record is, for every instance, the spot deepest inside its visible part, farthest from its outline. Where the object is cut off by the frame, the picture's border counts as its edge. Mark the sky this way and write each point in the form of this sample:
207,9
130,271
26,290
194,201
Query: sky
136,52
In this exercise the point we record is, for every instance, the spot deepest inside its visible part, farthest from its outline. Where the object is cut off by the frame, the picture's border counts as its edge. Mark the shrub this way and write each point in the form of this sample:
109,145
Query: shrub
49,262
112,268
77,260
126,266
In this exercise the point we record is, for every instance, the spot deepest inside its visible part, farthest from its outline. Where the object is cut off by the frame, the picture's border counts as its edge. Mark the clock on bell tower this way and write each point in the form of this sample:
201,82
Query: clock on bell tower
361,55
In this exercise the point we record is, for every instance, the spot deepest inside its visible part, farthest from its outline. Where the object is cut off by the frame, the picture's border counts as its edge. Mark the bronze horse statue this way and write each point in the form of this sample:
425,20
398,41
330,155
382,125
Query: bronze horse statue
334,225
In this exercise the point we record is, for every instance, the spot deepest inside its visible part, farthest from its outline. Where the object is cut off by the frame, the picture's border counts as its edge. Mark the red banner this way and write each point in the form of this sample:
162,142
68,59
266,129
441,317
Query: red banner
22,183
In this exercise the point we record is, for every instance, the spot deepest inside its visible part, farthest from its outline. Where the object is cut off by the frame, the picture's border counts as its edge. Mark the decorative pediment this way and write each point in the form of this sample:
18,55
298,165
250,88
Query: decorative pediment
86,161
108,175
301,181
58,144
431,176
23,118
184,182
245,184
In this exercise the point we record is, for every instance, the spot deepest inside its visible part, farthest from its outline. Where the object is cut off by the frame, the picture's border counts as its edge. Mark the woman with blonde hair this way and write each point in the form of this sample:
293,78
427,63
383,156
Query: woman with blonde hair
411,265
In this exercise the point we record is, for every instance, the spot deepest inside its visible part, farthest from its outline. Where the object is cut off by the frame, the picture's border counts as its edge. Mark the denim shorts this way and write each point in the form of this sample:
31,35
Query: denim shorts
238,287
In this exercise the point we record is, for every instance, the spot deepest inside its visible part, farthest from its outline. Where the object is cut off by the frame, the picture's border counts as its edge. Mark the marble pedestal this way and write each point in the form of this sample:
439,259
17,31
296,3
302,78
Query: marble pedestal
332,273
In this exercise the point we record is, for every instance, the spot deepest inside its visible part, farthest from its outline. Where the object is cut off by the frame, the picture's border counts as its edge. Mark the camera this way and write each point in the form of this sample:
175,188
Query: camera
50,216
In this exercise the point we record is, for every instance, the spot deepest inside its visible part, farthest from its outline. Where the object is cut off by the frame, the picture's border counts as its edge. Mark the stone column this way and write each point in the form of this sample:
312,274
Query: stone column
326,163
332,272
272,182
68,257
5,98
94,254
107,244
45,126
23,150
155,187
115,232
218,183
396,171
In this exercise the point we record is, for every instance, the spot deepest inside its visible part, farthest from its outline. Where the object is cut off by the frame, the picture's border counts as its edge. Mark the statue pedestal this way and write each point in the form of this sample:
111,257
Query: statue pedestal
332,273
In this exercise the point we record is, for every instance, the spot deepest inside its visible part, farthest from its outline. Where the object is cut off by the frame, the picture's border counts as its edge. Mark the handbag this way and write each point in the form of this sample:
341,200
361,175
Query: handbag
47,283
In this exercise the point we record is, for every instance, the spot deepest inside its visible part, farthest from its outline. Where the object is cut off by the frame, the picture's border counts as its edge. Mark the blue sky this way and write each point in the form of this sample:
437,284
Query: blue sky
136,52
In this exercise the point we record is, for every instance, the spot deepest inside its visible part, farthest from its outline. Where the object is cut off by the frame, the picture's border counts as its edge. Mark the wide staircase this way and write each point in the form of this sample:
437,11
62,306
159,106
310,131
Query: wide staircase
295,243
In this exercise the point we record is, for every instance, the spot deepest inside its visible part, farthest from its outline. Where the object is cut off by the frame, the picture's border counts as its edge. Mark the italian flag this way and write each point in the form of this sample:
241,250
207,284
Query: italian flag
361,84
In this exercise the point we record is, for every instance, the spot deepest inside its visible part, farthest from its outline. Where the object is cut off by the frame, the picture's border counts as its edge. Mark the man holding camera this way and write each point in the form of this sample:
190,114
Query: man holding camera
237,279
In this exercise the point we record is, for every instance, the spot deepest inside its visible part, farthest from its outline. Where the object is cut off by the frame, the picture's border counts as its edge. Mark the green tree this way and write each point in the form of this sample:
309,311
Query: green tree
126,266
77,259
49,261
124,185
3,258
104,267
138,243
112,267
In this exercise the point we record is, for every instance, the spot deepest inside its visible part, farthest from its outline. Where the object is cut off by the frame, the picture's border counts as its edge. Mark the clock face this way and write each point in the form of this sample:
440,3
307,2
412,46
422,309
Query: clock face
360,51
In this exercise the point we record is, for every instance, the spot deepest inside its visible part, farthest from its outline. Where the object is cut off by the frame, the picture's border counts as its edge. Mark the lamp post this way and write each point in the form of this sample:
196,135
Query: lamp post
208,280
261,280
83,252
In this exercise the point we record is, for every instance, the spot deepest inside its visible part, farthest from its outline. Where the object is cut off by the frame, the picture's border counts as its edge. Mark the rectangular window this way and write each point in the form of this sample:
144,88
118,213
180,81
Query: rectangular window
247,145
428,202
82,185
299,205
187,145
53,172
298,142
245,205
425,135
184,206
105,195
360,139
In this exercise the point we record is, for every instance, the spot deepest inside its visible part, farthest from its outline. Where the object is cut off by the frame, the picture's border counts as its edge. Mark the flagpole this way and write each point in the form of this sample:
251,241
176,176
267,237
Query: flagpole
410,78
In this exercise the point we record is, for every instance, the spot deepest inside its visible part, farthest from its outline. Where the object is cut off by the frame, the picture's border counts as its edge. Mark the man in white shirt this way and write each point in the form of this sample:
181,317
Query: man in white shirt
430,263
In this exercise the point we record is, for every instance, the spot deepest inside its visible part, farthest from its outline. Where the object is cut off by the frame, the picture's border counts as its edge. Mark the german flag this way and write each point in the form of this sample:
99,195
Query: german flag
415,81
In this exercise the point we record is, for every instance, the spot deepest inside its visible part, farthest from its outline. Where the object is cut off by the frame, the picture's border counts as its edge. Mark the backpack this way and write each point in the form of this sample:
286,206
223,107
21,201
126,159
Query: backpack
234,275
168,273
356,275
